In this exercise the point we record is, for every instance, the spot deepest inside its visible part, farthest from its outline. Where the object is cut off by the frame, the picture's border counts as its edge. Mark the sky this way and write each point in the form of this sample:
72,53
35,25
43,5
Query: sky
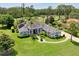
37,5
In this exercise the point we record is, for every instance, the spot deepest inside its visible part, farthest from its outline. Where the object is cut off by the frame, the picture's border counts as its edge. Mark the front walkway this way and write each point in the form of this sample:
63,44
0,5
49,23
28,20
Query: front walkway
39,40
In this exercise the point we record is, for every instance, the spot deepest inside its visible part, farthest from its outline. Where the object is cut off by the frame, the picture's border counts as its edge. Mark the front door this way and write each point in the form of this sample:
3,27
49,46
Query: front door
35,31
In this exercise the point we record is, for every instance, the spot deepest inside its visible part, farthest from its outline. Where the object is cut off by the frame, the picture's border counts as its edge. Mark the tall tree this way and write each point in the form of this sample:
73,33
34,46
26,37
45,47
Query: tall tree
23,9
7,20
49,10
73,28
64,10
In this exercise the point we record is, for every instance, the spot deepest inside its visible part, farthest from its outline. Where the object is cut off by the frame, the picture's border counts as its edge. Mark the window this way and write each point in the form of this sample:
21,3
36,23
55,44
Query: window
30,32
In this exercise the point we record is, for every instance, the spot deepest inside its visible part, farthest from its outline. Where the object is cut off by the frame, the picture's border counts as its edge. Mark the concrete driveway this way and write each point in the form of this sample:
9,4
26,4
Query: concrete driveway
69,36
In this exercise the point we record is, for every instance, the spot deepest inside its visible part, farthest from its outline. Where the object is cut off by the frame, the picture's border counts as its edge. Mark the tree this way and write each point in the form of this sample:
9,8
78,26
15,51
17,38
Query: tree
6,42
73,29
2,20
65,10
74,15
49,10
49,19
16,12
23,9
60,10
7,20
12,29
3,10
31,10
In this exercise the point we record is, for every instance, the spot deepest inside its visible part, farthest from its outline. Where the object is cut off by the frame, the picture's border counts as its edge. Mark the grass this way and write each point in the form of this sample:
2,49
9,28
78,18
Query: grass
53,39
28,47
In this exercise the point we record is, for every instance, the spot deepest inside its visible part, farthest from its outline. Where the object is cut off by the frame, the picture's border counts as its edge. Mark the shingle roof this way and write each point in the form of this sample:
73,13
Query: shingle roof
35,25
50,29
23,28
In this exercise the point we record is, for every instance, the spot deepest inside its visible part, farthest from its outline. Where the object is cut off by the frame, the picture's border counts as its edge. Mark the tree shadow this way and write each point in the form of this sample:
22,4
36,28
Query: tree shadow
75,43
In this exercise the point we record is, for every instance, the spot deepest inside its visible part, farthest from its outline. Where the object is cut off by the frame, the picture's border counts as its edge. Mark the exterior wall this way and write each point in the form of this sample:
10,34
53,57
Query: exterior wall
30,32
23,33
54,34
39,30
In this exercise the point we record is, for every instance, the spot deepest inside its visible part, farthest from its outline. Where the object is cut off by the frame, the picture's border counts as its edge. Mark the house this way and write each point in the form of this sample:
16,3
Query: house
27,28
23,30
51,31
36,28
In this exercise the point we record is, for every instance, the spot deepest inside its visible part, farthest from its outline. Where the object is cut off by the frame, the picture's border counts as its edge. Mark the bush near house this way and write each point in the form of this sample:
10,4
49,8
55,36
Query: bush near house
33,36
12,29
78,34
42,33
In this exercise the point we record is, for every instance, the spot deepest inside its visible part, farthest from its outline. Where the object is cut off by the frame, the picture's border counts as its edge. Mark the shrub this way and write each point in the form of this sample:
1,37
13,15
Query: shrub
74,15
42,33
6,42
12,28
78,34
33,36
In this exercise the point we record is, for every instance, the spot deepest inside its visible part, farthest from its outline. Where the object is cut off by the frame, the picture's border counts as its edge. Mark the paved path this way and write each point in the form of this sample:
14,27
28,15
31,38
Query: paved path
70,36
50,42
39,39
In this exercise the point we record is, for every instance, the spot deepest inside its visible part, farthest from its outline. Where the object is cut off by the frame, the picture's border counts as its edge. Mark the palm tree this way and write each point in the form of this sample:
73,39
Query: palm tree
23,9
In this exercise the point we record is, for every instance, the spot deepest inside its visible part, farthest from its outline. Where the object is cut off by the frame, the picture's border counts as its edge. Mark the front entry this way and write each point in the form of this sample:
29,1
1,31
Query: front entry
35,31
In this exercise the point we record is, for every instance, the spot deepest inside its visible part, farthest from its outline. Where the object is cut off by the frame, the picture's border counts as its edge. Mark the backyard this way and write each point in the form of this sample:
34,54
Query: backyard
28,47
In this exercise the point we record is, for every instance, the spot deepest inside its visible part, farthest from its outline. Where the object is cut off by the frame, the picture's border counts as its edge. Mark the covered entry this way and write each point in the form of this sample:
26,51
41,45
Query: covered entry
35,31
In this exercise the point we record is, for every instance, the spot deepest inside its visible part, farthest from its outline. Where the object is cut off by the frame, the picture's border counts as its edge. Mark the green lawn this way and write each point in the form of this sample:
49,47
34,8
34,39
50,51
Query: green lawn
28,47
53,39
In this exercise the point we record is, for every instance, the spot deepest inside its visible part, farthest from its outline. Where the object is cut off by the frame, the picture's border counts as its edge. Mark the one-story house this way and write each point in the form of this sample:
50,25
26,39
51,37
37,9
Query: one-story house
51,31
36,28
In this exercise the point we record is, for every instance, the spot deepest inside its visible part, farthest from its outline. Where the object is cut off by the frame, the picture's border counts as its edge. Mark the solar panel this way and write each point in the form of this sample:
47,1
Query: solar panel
20,26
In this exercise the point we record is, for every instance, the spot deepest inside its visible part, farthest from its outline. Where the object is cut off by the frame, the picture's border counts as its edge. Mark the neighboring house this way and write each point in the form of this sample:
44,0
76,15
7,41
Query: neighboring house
36,28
